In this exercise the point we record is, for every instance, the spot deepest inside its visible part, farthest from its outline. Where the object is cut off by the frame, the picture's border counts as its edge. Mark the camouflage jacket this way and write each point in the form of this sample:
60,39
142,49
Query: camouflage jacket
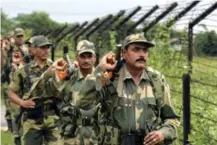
25,77
9,67
134,106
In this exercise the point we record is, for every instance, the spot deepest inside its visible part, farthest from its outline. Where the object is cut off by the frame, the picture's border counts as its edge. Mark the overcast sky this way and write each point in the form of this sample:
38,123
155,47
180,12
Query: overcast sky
85,10
74,10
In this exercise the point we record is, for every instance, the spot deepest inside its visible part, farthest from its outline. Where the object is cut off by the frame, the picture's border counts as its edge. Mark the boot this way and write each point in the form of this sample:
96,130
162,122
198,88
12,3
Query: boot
9,123
17,141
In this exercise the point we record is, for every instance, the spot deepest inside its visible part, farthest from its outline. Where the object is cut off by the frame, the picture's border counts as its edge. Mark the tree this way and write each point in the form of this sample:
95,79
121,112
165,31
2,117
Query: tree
37,21
206,43
7,24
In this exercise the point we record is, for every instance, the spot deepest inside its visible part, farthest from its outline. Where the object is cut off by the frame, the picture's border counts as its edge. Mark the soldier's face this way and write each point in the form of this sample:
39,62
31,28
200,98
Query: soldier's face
136,56
31,49
42,52
86,60
19,40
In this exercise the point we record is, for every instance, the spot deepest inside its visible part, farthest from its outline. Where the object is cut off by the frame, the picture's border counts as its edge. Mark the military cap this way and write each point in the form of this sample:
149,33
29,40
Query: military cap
39,41
136,38
85,46
10,34
30,40
18,32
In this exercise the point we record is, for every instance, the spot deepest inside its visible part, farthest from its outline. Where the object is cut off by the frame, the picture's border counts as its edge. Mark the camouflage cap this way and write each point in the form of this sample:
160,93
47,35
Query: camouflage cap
85,46
10,34
30,40
39,41
136,38
18,32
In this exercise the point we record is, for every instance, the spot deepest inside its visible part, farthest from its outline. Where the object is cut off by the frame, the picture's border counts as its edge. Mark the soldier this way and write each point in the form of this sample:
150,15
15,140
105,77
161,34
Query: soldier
5,78
136,107
16,54
30,49
77,124
27,91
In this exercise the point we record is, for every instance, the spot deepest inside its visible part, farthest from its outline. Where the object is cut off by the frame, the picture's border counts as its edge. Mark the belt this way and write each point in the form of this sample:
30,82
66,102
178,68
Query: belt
87,121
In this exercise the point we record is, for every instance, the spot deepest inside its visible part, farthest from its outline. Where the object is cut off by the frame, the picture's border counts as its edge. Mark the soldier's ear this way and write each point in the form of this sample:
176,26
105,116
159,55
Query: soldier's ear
94,59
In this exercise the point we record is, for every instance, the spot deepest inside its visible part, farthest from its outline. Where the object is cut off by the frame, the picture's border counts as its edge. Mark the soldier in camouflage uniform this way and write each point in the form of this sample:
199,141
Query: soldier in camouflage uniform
17,51
30,48
4,79
27,91
136,106
77,124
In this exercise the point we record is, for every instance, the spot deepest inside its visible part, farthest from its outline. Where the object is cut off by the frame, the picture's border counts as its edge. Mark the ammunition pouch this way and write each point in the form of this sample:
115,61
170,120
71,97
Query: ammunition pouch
68,121
109,134
36,112
87,121
41,109
133,137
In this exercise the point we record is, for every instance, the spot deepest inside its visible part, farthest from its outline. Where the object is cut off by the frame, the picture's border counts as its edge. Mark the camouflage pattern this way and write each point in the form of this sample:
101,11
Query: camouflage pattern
85,46
134,107
136,38
40,129
73,128
19,32
73,133
40,41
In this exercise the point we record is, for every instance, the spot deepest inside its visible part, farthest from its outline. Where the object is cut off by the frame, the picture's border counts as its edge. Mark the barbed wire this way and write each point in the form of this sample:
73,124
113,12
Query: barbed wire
198,114
203,132
203,83
196,97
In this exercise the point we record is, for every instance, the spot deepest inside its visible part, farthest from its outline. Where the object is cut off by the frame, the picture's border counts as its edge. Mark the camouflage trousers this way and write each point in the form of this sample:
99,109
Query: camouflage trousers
85,136
7,102
15,111
45,133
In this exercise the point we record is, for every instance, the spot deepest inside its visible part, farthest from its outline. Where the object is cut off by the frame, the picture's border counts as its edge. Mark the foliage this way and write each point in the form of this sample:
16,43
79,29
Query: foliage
206,43
7,24
37,21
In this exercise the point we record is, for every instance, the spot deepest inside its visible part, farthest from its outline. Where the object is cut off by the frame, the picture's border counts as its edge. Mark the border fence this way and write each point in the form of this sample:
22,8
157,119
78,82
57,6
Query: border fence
193,93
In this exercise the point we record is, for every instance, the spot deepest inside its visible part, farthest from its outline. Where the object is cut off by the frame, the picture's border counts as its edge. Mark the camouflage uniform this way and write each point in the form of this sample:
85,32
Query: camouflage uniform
77,124
131,111
15,109
39,123
5,81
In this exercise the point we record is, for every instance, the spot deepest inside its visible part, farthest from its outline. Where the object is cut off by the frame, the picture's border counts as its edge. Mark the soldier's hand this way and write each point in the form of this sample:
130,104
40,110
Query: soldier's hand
17,58
28,103
108,62
60,64
154,138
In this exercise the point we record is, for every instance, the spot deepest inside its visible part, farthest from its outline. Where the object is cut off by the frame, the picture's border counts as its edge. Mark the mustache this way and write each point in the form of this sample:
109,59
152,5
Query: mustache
141,59
86,63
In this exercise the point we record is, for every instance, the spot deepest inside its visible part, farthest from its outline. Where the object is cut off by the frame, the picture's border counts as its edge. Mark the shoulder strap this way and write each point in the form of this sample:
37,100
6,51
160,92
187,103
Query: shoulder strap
28,80
21,84
10,54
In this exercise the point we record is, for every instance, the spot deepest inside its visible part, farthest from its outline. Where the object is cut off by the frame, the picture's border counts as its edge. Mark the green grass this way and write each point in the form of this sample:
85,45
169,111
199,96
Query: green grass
6,138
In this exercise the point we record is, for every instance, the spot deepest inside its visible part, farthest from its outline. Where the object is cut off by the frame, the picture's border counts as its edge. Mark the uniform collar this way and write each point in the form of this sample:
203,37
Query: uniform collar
35,64
80,75
126,74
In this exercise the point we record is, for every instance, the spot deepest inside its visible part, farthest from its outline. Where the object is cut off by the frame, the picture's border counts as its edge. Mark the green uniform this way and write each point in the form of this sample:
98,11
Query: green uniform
15,109
130,107
77,124
39,124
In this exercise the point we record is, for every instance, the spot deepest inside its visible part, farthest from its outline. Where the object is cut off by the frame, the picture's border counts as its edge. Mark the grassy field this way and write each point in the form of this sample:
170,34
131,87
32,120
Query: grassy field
204,130
6,138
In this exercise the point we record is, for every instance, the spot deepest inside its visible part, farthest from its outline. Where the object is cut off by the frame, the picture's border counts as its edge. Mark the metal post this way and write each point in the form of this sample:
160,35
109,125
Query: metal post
142,19
186,108
52,52
83,31
161,16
